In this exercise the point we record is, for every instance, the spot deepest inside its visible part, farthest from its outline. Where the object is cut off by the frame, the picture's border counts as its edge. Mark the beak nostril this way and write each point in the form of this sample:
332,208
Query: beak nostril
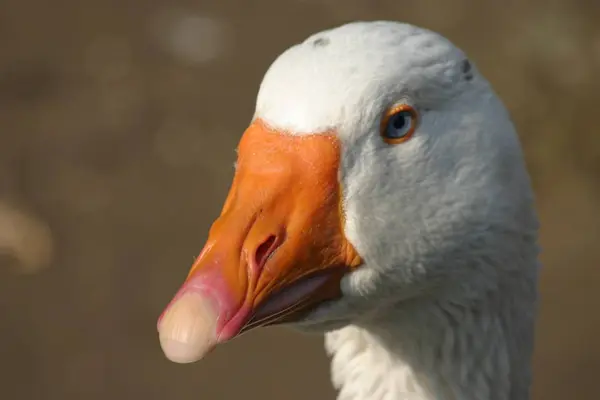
264,251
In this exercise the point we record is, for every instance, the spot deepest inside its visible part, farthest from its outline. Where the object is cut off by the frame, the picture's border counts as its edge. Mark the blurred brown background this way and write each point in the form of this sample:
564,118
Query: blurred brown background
118,121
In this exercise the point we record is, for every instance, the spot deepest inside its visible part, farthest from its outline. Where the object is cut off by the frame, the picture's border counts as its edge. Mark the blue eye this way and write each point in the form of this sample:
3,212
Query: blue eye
399,125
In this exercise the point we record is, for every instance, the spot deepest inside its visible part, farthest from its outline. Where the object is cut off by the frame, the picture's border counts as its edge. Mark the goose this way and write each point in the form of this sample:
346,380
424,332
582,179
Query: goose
380,197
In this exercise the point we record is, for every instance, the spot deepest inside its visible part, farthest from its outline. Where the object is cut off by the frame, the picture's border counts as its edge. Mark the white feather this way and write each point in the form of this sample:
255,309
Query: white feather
444,306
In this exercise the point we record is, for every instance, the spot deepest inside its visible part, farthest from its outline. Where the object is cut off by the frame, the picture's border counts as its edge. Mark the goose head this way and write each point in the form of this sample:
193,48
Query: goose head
380,170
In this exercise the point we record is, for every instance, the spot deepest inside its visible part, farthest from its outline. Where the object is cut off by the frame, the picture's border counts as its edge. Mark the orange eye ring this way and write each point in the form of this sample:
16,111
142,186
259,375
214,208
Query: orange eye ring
398,124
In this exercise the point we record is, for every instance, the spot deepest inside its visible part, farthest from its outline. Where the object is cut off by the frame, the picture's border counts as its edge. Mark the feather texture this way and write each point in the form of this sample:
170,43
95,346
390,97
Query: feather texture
444,306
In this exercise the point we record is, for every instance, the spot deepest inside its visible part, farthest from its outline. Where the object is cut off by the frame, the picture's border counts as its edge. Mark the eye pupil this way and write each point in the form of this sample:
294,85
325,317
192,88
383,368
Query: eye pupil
399,125
399,121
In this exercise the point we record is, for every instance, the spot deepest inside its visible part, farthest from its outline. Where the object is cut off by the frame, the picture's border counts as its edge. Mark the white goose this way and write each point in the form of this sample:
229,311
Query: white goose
381,197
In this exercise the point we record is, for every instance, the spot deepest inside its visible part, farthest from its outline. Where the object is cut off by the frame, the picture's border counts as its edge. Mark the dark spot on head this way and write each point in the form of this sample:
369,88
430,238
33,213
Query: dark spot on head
320,42
466,66
466,70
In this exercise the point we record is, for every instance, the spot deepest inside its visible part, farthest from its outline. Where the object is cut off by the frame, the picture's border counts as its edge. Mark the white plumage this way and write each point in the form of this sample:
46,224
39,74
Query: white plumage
444,307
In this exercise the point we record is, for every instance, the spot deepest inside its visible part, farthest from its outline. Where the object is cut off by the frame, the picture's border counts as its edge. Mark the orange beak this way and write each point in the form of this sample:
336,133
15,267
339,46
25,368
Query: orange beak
276,250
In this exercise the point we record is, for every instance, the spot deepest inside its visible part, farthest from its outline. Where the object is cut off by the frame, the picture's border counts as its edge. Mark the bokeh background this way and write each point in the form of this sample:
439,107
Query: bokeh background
118,123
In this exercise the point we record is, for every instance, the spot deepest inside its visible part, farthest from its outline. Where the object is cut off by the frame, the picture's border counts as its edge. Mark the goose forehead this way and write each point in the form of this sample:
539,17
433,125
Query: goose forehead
337,77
